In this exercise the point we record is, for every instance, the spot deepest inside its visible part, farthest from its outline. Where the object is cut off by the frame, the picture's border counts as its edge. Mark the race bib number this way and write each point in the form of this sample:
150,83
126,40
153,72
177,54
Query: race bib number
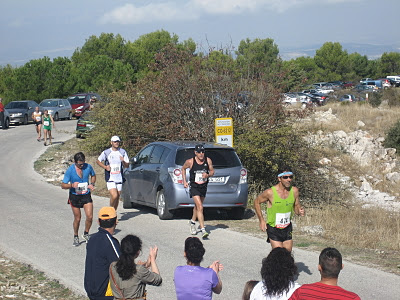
115,168
198,177
82,188
282,220
38,119
46,123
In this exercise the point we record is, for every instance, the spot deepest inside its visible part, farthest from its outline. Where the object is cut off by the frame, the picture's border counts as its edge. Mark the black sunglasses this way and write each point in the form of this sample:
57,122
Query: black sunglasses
200,151
286,177
80,165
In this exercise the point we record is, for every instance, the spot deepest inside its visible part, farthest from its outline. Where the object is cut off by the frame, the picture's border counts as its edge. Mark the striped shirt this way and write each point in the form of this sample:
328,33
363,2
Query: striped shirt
321,291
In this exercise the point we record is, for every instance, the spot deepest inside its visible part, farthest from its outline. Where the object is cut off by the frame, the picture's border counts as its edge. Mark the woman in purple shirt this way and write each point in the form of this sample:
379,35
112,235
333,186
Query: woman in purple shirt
193,282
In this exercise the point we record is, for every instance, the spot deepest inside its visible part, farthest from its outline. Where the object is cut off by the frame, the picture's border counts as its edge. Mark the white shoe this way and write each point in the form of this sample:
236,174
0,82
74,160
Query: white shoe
193,229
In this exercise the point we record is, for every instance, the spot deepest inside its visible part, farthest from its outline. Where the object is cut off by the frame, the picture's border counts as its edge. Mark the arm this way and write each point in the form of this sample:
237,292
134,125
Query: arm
262,198
124,160
188,164
217,267
153,256
100,163
210,168
298,209
52,121
92,182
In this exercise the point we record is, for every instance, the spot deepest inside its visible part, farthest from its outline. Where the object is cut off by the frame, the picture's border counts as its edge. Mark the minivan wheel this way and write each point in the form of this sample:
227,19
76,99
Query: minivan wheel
236,213
69,116
25,119
162,208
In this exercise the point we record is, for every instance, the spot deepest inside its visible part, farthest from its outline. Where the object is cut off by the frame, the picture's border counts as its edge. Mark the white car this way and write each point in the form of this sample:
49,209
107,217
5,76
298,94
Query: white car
290,98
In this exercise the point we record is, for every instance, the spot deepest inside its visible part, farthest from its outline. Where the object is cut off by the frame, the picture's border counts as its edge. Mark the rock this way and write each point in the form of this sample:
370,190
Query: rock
313,230
393,177
360,123
325,161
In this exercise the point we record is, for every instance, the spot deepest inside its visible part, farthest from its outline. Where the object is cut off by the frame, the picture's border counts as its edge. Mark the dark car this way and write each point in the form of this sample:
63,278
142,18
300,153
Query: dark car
21,111
154,178
81,102
84,124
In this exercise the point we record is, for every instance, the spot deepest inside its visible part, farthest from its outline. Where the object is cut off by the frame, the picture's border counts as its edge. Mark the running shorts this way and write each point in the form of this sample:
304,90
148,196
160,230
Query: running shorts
279,235
114,185
198,190
79,200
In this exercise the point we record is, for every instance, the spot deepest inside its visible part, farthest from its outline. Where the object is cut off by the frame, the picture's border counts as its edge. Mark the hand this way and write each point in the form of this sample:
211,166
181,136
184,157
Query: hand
263,225
185,185
204,175
75,185
216,266
153,252
91,187
107,168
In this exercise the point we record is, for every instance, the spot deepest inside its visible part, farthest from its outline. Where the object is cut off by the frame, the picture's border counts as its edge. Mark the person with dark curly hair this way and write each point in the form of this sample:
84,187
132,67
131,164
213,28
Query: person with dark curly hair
193,282
278,272
128,279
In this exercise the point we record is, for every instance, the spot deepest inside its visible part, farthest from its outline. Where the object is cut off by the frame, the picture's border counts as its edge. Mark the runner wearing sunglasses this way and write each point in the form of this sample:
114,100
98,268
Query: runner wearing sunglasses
282,202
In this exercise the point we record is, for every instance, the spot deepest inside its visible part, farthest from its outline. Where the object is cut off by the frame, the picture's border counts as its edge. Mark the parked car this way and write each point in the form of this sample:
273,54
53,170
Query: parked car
290,98
348,98
386,83
58,108
154,179
6,119
365,88
21,111
348,84
84,124
81,102
393,82
365,79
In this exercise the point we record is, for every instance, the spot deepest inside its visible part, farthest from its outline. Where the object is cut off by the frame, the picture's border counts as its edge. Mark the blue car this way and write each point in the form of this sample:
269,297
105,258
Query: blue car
154,179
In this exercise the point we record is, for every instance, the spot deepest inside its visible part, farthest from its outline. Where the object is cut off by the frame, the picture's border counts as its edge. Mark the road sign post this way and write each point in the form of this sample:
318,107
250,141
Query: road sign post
224,131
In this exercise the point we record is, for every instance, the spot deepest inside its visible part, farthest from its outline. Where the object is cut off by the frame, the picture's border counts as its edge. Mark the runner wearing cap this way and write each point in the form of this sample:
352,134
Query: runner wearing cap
115,159
200,169
80,179
102,249
282,201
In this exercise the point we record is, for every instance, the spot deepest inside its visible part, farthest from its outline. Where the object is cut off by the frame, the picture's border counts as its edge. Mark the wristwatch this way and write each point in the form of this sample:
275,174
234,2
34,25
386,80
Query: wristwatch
92,183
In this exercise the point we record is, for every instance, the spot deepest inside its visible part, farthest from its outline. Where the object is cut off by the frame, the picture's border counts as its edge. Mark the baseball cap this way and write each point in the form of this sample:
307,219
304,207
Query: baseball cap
115,138
107,212
199,148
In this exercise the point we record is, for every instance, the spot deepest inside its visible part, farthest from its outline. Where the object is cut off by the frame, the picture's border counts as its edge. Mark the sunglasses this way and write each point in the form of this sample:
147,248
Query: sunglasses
80,165
200,151
116,141
286,177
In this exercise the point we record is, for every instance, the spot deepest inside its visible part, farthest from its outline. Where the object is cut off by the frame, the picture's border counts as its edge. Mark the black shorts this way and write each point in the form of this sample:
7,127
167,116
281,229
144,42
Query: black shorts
79,200
37,123
198,190
279,235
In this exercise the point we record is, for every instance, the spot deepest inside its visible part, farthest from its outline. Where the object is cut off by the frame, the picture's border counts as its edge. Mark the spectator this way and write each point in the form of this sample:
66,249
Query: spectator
278,271
128,279
193,282
248,288
102,249
2,122
330,265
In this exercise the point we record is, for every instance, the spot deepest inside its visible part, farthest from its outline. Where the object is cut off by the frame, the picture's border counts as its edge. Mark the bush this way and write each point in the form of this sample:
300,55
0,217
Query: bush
392,139
375,98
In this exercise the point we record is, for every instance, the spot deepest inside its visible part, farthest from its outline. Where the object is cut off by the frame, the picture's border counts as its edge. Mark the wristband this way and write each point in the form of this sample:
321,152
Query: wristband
92,183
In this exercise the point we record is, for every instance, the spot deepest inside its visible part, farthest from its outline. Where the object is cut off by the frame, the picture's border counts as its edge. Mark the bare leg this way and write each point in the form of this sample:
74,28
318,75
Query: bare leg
49,131
88,207
114,198
276,244
77,218
45,136
198,210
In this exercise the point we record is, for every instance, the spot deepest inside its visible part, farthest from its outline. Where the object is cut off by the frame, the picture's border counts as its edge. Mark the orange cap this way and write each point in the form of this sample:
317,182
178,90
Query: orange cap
107,212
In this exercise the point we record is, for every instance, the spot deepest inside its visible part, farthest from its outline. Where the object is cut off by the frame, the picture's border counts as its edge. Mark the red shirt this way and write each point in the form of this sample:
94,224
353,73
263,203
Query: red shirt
1,107
321,291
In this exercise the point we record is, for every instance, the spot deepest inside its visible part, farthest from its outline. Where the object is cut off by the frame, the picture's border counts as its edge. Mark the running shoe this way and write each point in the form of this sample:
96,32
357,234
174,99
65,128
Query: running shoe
76,241
86,237
204,234
193,229
38,139
44,143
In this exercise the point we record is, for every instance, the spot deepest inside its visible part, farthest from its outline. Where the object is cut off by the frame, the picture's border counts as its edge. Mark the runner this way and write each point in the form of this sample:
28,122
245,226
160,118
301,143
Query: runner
48,122
200,169
115,159
37,120
282,200
77,180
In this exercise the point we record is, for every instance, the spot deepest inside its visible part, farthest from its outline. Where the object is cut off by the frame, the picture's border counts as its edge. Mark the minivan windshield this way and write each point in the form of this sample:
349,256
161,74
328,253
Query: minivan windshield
221,158
76,99
13,105
49,103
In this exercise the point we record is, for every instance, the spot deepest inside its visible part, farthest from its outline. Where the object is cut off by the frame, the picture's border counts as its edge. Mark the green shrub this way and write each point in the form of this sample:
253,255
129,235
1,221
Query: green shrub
392,139
375,99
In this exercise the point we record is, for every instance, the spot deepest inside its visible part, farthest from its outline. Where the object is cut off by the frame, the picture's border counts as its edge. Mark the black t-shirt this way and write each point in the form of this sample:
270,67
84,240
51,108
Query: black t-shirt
195,173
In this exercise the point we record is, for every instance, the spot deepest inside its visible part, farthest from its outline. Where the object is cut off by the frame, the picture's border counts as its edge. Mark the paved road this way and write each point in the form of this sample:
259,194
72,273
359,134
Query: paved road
36,227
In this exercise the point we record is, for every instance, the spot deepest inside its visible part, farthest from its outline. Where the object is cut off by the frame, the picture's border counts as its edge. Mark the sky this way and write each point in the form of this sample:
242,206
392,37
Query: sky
32,29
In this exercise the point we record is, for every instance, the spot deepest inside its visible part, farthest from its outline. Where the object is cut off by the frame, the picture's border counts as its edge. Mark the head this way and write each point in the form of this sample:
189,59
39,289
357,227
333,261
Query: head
46,112
79,159
278,271
199,151
194,250
285,176
107,217
248,288
115,141
37,109
330,263
131,245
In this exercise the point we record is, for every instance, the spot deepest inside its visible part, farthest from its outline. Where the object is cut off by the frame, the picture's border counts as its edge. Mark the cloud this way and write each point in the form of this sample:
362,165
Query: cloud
194,9
54,50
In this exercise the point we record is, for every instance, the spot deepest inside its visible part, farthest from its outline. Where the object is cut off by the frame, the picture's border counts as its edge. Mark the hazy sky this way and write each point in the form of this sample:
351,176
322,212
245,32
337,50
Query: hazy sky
31,29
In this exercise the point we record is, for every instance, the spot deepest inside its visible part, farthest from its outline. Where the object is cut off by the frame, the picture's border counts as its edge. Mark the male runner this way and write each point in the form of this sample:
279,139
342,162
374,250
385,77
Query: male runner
115,158
282,201
200,169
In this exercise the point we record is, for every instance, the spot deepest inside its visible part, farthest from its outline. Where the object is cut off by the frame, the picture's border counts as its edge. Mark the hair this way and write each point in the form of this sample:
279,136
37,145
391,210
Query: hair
79,157
278,271
284,168
248,288
330,261
107,223
126,266
194,250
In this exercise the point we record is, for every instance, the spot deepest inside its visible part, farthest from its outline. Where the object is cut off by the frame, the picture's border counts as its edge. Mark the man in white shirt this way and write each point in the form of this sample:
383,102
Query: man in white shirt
115,159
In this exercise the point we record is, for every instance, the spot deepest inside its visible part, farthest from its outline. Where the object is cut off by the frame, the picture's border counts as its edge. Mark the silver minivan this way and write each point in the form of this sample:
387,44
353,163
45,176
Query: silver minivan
154,179
58,108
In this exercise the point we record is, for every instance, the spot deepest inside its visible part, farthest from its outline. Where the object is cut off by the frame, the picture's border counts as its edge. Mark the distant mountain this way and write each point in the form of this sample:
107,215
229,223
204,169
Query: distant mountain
372,51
